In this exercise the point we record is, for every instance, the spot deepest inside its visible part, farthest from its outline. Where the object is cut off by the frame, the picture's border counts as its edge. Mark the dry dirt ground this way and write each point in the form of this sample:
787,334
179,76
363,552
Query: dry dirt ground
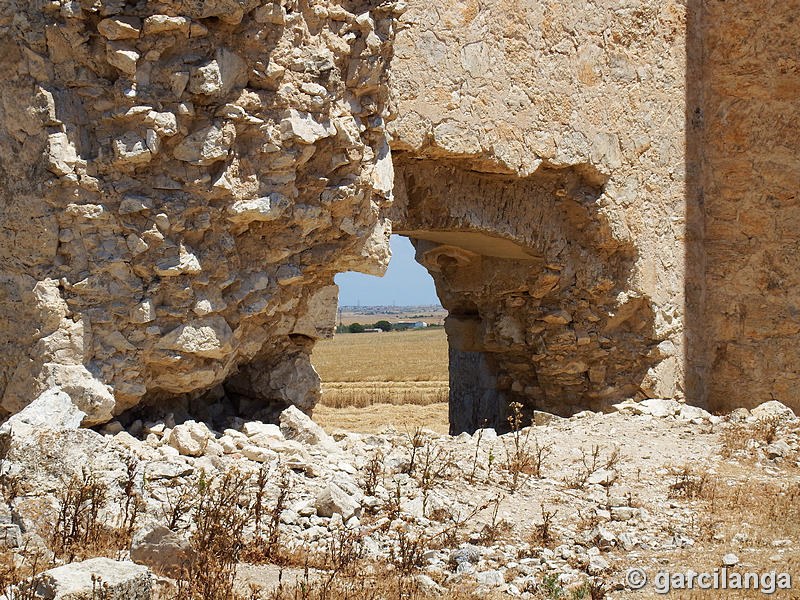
675,492
375,418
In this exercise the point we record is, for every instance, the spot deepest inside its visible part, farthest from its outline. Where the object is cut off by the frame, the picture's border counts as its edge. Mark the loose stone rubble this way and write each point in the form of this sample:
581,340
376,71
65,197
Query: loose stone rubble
622,513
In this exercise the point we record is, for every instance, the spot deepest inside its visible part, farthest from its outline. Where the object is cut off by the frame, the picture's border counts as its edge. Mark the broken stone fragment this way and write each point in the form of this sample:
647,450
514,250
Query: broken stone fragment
131,150
298,426
133,204
124,28
317,322
136,244
61,154
190,438
210,337
604,539
122,57
53,409
178,82
272,12
206,80
165,24
220,76
288,274
333,500
383,172
207,145
88,393
181,262
303,127
265,208
77,581
252,428
557,317
164,123
258,454
153,141
143,312
165,551
778,449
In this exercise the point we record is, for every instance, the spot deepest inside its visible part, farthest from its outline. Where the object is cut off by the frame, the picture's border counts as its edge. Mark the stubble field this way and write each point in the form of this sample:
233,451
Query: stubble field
370,380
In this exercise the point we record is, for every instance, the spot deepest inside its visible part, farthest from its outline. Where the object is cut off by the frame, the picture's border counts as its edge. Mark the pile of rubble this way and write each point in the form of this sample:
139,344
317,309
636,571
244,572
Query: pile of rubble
472,511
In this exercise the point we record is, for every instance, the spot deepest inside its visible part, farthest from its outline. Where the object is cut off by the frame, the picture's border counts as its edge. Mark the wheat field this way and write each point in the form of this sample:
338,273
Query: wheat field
397,367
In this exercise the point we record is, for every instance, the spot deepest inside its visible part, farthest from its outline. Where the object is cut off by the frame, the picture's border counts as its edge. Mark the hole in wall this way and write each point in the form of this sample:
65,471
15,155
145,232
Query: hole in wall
388,361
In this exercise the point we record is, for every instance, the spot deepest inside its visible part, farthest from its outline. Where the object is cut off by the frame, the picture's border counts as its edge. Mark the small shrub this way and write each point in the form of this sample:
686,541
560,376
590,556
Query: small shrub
374,474
688,484
590,462
78,530
542,534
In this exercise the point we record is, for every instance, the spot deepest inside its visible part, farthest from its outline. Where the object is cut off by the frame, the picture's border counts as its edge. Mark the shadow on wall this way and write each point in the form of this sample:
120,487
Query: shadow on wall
743,209
536,285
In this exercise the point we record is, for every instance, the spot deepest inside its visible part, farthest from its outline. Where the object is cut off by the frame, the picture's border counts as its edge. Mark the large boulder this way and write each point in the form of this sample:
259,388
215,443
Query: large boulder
116,580
52,410
165,551
298,426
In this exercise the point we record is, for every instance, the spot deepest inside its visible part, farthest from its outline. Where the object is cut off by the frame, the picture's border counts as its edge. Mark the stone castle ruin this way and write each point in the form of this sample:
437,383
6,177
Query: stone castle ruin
605,194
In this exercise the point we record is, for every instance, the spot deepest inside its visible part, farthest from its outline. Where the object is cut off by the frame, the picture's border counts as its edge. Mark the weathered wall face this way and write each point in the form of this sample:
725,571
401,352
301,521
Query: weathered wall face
179,183
745,77
605,193
560,127
548,303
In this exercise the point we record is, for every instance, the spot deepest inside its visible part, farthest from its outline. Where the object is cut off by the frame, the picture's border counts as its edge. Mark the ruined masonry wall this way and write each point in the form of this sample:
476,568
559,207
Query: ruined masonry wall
745,118
179,182
559,126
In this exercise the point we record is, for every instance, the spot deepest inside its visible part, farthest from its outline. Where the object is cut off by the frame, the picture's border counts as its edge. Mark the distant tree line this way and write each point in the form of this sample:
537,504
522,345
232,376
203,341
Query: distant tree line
359,328
382,325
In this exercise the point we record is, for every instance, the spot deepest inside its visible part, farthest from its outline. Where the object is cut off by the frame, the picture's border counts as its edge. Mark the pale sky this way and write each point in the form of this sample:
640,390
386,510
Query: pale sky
406,283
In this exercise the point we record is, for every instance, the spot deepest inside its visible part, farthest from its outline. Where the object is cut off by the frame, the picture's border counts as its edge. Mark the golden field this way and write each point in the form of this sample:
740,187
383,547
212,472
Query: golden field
363,372
397,356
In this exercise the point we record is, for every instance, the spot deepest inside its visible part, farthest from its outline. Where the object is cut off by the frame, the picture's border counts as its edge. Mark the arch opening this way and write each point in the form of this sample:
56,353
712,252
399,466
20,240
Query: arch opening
388,362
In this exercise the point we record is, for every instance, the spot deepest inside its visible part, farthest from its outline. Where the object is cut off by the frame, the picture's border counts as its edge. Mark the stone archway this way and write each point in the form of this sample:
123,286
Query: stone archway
536,286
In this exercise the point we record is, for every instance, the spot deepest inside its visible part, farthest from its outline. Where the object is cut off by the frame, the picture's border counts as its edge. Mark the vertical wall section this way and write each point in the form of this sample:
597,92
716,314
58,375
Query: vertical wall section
743,126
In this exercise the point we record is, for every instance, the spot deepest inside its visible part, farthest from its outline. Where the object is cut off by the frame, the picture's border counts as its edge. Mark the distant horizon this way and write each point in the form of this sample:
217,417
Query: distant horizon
437,305
406,283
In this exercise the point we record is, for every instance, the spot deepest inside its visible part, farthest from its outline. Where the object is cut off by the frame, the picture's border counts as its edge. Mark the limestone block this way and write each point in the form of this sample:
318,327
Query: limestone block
53,409
190,438
125,581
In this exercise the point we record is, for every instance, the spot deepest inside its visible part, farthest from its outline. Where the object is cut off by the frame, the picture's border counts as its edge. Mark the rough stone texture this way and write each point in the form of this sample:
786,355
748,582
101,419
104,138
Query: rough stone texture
604,193
161,549
53,410
742,141
333,500
125,581
540,172
179,182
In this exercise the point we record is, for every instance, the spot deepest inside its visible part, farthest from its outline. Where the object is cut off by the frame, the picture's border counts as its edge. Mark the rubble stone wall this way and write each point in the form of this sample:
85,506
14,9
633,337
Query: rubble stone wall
603,191
180,181
558,127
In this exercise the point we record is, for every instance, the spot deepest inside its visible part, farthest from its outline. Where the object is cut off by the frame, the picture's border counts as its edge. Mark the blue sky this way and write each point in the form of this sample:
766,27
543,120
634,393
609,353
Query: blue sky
406,283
